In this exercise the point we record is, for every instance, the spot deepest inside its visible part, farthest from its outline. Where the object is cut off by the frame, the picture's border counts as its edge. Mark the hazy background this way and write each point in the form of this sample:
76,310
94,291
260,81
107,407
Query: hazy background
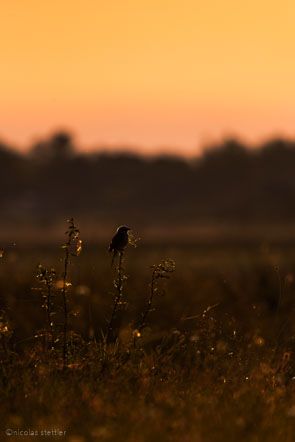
230,193
201,95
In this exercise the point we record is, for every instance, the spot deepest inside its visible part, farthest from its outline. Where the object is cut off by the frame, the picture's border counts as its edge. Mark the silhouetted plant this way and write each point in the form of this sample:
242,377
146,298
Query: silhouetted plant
123,237
72,247
160,271
47,278
119,300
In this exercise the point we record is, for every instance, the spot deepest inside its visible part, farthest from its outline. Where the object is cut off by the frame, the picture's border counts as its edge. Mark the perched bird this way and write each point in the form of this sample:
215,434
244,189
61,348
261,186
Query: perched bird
119,241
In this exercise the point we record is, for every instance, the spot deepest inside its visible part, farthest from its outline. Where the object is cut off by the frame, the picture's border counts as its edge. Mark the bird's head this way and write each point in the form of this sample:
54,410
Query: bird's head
123,229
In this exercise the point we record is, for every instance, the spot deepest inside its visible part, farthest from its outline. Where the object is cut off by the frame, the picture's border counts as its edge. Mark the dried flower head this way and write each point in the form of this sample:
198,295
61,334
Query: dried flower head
74,243
163,269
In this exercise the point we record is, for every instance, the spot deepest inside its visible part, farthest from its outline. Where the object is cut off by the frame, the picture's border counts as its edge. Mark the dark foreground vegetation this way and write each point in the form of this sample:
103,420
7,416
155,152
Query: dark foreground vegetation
203,351
228,184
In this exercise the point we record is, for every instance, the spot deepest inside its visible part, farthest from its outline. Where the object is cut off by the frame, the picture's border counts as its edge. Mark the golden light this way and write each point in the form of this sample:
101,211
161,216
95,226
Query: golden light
149,73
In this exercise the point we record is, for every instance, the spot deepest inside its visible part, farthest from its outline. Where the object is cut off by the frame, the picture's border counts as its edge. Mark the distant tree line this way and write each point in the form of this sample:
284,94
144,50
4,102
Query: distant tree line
229,182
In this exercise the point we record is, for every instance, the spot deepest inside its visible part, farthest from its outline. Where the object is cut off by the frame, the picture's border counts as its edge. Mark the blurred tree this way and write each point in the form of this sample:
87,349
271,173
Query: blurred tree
58,148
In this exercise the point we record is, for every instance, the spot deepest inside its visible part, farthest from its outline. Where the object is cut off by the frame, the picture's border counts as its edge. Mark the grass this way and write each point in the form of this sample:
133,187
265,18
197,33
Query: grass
211,358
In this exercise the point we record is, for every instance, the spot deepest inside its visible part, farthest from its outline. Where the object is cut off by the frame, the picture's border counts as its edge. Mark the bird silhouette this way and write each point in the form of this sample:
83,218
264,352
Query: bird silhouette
119,241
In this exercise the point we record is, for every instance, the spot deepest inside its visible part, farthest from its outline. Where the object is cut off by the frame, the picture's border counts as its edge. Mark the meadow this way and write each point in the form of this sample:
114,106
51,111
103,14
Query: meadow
210,358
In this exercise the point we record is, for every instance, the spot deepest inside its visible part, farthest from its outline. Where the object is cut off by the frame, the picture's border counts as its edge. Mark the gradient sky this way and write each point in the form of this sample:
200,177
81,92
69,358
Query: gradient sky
154,73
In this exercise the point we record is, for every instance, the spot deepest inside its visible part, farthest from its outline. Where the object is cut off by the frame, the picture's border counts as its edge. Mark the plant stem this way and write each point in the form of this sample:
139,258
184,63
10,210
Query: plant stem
49,318
149,302
65,305
118,283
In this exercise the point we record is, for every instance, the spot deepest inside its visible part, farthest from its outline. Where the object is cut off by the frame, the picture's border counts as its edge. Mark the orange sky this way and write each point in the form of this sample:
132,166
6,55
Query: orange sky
153,73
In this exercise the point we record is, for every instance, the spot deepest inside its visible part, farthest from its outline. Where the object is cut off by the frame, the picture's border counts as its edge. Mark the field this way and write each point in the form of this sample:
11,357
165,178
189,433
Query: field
212,360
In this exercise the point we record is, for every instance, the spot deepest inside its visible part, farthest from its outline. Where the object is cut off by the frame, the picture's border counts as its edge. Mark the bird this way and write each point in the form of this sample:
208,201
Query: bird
119,241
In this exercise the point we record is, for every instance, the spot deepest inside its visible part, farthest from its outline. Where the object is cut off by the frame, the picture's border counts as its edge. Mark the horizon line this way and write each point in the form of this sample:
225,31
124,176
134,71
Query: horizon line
147,150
